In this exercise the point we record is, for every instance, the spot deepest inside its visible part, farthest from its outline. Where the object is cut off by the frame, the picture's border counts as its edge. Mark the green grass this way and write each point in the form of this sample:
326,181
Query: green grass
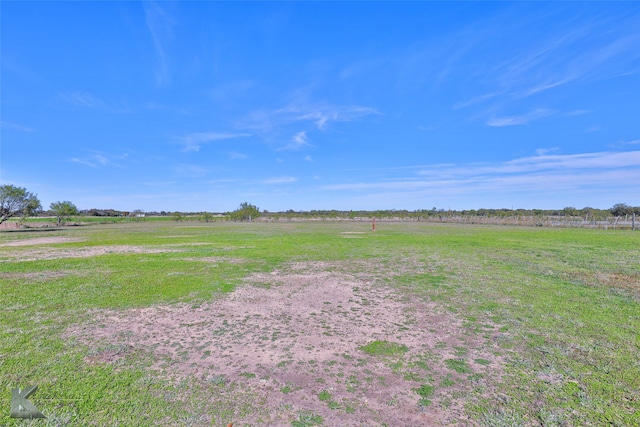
384,348
286,389
458,365
324,396
307,419
425,391
565,304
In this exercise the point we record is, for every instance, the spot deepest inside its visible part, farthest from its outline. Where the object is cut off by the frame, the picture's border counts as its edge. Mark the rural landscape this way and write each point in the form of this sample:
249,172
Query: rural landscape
319,213
321,323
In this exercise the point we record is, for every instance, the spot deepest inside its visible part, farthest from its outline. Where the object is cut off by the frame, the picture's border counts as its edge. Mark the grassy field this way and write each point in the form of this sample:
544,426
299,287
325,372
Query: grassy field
415,324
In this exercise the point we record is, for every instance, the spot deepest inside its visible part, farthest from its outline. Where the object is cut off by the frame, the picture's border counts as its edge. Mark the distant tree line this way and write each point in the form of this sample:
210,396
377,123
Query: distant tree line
619,209
17,202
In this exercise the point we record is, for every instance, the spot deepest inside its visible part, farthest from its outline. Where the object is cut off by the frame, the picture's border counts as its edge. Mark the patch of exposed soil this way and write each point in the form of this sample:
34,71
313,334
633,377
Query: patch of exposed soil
43,241
289,335
84,252
630,284
618,280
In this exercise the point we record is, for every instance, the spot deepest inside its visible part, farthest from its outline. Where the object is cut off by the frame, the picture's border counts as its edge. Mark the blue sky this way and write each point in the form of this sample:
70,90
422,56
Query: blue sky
199,106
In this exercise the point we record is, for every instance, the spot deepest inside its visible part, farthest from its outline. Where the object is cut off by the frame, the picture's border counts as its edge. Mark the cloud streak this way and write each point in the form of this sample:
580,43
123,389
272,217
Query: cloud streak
95,160
595,47
194,141
87,100
190,171
280,180
160,24
82,100
299,141
519,120
561,163
561,175
234,155
16,127
319,116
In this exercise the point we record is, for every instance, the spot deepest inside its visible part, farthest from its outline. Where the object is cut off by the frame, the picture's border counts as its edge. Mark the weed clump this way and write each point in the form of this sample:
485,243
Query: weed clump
424,391
307,419
384,348
458,365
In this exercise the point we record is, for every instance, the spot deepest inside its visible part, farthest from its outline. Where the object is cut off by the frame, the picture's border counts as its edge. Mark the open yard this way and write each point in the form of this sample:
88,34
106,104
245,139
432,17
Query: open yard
318,323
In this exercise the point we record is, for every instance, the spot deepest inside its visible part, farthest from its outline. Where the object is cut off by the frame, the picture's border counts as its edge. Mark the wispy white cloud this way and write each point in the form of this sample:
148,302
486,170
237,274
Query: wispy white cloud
542,87
96,160
322,116
159,183
475,100
623,143
317,115
519,120
226,181
583,49
194,141
160,24
191,171
280,180
590,173
562,163
308,158
87,100
14,126
233,155
154,106
102,160
299,141
577,113
545,151
498,184
84,162
83,100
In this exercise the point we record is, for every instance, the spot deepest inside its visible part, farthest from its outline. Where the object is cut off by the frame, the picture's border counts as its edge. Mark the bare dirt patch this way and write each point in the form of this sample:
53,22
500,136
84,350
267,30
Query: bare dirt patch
43,241
618,280
84,252
629,284
294,338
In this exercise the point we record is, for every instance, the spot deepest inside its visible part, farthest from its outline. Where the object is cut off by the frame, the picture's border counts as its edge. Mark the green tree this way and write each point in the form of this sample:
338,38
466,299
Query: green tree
17,201
246,211
620,209
206,217
63,210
